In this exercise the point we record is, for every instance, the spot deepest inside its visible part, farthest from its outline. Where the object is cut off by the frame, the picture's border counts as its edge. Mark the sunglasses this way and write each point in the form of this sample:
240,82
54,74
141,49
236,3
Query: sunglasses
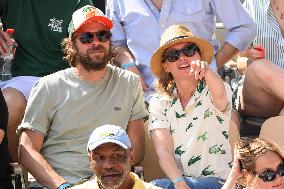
269,175
173,55
101,35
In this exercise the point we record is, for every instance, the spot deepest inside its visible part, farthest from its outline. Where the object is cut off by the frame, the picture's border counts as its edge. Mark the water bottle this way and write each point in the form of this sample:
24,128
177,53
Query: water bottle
8,58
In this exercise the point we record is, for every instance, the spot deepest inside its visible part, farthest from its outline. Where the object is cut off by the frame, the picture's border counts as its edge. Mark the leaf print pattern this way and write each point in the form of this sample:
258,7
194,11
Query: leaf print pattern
156,119
225,133
188,127
165,112
220,119
199,103
203,137
178,150
216,149
180,115
207,113
230,164
195,118
193,160
172,130
174,102
206,172
200,86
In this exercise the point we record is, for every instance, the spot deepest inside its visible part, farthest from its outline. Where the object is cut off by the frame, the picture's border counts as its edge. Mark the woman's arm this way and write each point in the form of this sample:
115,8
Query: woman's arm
217,90
235,173
164,147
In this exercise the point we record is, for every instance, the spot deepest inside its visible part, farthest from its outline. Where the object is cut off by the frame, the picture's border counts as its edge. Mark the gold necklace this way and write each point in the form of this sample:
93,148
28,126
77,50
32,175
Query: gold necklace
278,10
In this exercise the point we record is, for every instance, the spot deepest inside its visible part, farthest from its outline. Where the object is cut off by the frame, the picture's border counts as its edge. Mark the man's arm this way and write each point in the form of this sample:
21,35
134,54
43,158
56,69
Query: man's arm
30,157
240,25
123,57
135,131
226,53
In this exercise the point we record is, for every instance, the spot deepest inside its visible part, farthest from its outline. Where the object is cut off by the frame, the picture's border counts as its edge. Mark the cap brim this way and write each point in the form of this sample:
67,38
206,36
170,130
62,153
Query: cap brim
105,21
206,49
94,145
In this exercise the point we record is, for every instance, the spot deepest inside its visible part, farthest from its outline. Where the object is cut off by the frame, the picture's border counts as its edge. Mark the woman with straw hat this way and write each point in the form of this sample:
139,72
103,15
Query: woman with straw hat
258,164
189,116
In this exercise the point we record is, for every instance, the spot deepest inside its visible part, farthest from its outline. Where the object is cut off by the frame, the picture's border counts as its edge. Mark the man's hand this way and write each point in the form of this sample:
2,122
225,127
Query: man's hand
256,52
198,69
136,71
181,185
5,42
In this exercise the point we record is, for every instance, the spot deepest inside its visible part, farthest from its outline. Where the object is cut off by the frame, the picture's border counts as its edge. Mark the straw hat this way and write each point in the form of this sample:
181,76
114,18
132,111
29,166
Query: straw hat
179,34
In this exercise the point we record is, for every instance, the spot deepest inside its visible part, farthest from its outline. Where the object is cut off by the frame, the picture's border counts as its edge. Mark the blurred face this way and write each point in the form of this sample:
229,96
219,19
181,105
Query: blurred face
265,167
111,164
93,46
177,59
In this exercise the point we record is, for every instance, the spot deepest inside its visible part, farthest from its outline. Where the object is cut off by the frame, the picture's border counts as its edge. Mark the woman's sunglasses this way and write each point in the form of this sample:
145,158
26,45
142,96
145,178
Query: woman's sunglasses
269,175
173,55
101,35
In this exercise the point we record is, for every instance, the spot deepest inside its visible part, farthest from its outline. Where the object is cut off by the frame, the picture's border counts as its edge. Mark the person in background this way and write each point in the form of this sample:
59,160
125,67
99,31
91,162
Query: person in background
189,116
65,107
265,72
5,173
138,27
39,28
110,154
258,164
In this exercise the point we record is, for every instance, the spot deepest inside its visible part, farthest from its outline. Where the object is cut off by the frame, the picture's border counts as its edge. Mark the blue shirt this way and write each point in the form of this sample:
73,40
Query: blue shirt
139,25
268,30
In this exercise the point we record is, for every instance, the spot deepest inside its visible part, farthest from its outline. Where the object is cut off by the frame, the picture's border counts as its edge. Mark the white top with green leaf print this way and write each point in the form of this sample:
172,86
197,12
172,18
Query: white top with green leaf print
200,132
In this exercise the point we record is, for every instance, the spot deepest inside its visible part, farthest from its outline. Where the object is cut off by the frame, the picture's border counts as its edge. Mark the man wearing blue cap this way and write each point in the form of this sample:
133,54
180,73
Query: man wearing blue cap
110,154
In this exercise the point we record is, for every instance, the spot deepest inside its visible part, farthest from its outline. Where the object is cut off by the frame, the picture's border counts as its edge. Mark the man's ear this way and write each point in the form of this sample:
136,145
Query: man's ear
131,155
89,155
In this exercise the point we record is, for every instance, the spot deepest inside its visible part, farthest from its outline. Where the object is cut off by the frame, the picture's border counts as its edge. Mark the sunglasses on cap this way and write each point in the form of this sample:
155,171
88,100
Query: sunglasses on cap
173,55
88,37
269,175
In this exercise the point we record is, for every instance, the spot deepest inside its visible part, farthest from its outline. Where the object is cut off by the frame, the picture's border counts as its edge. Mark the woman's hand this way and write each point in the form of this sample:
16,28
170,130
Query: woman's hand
256,52
198,68
181,185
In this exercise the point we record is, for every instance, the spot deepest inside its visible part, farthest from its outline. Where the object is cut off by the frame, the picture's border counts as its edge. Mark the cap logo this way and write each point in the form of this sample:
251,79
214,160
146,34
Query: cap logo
87,9
106,134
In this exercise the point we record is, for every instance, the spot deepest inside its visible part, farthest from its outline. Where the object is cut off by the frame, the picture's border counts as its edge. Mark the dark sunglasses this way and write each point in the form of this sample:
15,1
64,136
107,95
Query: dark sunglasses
269,175
101,35
173,55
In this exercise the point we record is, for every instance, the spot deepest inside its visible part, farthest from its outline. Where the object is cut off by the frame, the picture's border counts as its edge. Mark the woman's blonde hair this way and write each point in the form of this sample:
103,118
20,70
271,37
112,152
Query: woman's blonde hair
165,84
249,149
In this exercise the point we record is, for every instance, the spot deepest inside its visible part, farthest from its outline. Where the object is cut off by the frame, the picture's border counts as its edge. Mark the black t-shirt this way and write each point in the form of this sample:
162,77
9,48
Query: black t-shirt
100,4
5,170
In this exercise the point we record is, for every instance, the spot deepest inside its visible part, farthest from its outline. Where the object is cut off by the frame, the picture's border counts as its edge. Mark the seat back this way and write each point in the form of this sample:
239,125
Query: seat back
273,129
234,135
152,169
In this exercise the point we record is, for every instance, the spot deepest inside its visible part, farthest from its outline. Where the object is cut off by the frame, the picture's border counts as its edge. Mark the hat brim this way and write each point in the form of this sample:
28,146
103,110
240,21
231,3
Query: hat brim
206,52
105,21
94,145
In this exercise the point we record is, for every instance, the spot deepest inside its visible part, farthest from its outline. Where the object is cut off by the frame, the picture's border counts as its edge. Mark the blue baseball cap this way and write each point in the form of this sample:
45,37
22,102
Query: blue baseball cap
108,134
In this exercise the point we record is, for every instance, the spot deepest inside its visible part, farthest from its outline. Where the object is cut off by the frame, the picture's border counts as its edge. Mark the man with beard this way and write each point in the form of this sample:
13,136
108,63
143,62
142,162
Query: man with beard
110,155
66,106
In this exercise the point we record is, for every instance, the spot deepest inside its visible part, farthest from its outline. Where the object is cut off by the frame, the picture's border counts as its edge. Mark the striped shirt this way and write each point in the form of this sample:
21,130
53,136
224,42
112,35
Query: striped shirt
268,30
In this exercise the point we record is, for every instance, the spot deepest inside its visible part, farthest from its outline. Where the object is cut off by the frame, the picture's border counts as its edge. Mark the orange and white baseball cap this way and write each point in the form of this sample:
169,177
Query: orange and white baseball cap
86,15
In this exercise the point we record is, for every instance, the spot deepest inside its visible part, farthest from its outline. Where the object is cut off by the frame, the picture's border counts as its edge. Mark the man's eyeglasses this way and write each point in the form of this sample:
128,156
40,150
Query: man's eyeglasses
269,175
101,35
173,55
